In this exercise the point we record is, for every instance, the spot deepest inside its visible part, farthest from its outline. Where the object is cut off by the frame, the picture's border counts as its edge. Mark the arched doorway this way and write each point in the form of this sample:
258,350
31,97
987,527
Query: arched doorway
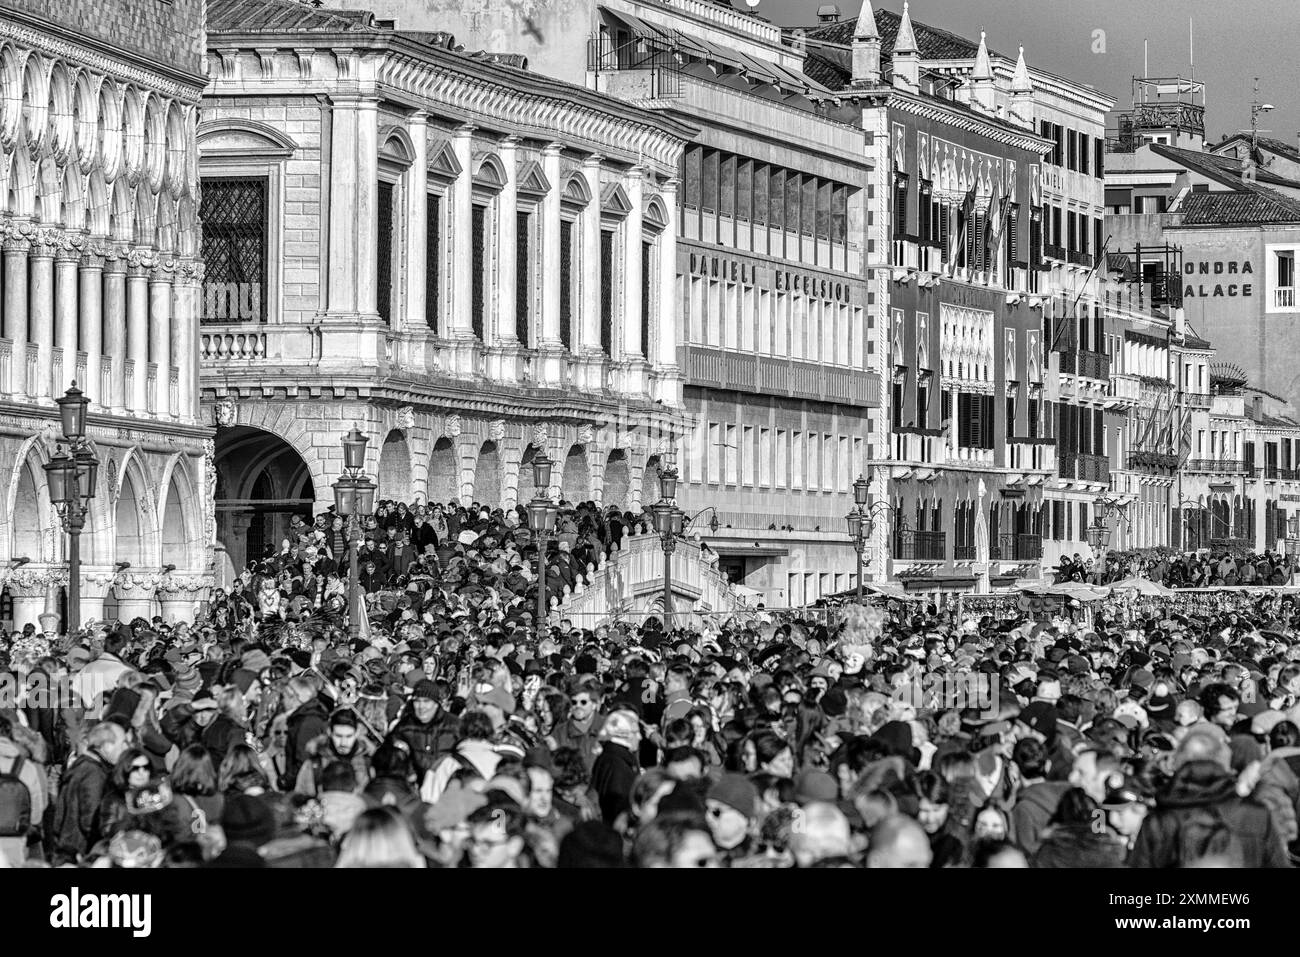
576,484
395,468
180,534
487,476
650,482
262,482
444,473
618,482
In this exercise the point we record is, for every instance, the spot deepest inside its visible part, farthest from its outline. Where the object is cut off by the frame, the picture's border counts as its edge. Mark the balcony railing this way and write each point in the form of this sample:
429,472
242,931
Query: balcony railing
1080,258
746,372
920,447
963,553
1219,466
1145,461
1083,466
1055,252
1124,387
921,546
1090,365
1197,400
1285,475
1018,548
234,345
1284,297
1034,456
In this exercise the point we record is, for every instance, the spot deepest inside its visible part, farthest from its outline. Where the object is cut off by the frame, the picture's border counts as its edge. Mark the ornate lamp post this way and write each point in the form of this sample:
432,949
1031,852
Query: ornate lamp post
859,524
542,515
72,478
669,522
354,499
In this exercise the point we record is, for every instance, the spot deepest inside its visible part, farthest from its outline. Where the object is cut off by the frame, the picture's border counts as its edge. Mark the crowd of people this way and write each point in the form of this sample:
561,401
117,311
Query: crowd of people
455,733
1174,569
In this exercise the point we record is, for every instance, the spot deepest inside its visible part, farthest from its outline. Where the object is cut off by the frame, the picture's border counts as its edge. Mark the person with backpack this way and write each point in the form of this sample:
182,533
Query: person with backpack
475,755
1200,817
23,797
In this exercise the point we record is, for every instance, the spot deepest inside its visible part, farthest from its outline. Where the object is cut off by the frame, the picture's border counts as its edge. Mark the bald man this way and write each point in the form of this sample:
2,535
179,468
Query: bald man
898,841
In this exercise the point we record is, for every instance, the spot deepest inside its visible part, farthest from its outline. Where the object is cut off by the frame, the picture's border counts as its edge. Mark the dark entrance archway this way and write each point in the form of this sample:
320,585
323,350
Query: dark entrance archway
262,482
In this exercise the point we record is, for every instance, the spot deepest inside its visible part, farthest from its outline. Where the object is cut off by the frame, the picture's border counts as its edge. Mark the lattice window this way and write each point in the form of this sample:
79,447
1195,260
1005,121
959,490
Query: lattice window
478,265
607,292
523,274
384,253
433,255
566,284
234,216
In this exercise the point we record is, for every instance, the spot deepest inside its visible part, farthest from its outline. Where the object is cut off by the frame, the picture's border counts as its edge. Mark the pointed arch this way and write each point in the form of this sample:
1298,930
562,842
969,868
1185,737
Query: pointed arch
36,101
135,525
176,151
49,191
145,218
108,130
22,183
132,133
72,205
63,140
28,508
98,204
11,94
122,212
85,114
164,234
187,227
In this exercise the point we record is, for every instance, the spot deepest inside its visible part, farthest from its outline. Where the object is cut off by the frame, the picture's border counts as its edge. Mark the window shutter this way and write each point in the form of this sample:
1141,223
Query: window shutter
943,231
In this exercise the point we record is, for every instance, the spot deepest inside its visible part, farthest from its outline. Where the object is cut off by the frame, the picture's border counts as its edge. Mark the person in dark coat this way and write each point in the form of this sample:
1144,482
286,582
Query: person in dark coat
615,770
308,720
1073,839
248,823
426,728
1200,816
74,821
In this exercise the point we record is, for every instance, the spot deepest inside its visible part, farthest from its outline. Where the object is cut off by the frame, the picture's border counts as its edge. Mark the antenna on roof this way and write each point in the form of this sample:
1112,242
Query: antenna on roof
1191,46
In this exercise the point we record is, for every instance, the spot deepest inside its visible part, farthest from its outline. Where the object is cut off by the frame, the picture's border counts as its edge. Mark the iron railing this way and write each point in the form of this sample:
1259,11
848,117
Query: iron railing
1081,362
1014,547
912,545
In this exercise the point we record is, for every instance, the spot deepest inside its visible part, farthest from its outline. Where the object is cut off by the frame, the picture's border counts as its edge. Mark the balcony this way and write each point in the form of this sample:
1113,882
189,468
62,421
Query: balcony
1284,297
1084,467
1123,389
1080,258
771,375
1145,461
1218,466
1017,548
913,546
1197,400
1031,455
1281,474
924,446
963,553
1055,252
1090,365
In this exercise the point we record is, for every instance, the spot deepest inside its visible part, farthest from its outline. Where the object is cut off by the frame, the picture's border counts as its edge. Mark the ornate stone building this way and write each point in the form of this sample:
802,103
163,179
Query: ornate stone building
468,261
100,284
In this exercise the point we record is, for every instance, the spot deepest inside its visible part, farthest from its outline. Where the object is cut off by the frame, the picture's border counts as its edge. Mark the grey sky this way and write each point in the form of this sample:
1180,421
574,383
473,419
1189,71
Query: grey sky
1234,41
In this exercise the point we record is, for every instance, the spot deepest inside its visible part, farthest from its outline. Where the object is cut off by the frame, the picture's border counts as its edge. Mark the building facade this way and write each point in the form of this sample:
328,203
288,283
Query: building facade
775,309
469,262
100,285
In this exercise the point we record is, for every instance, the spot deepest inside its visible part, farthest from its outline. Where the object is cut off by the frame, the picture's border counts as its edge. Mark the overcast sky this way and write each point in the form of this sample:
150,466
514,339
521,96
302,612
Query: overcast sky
1234,41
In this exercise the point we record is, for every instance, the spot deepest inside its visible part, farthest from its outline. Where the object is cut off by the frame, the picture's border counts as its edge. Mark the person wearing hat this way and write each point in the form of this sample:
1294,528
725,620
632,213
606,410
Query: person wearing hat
615,770
1126,805
428,730
248,824
731,803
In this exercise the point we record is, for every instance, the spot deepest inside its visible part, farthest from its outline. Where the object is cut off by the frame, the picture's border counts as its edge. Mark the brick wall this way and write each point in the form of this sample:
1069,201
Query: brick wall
167,32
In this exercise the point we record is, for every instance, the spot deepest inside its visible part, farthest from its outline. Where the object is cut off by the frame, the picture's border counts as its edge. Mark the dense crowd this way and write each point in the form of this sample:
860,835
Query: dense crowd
454,735
1174,569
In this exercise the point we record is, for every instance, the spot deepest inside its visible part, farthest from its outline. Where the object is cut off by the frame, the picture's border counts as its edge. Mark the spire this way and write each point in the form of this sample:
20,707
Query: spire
866,48
1020,79
906,42
983,70
866,27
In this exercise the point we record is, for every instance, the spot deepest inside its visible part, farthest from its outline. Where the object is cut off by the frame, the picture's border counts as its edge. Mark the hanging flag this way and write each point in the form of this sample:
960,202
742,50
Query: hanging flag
989,232
959,237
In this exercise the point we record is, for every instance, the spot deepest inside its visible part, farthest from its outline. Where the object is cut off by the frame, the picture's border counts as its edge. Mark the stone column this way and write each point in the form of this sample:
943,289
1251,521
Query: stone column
462,343
366,225
65,316
90,316
180,596
184,338
41,317
114,322
343,208
15,311
551,363
137,335
636,370
160,336
593,364
668,383
135,594
31,588
95,583
417,211
503,354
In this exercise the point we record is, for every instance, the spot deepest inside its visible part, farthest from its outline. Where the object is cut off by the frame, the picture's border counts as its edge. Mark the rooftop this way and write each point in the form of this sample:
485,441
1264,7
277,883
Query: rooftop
1248,205
1223,169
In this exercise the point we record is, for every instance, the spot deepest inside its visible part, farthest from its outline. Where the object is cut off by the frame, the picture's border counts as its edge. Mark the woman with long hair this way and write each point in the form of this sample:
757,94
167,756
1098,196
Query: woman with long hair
230,726
194,789
134,769
241,773
380,837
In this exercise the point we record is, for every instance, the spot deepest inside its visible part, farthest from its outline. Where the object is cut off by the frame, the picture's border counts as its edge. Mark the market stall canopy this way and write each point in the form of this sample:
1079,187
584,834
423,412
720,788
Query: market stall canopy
1143,586
1075,590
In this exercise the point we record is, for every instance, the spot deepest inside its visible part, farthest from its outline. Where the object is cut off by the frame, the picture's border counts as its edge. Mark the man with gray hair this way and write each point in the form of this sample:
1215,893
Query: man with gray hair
1201,815
898,841
75,825
819,836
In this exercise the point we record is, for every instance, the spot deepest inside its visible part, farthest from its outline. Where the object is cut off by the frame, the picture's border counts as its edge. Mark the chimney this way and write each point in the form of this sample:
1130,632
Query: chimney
907,57
798,41
866,48
828,13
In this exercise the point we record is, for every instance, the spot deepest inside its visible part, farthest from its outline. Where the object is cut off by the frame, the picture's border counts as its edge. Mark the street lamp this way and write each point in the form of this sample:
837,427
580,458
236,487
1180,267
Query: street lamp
859,522
72,478
542,515
354,499
669,522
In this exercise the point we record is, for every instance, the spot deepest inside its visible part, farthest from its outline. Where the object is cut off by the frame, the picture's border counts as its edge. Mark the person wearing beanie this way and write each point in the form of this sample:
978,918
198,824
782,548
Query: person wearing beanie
616,769
248,823
731,803
427,728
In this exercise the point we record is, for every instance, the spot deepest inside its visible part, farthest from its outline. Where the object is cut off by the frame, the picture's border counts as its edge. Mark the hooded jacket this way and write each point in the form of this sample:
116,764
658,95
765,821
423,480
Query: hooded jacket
1199,814
1033,809
308,722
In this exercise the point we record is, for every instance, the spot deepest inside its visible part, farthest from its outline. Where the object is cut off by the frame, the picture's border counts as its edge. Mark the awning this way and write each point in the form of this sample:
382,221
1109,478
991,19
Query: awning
1119,196
742,551
640,27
